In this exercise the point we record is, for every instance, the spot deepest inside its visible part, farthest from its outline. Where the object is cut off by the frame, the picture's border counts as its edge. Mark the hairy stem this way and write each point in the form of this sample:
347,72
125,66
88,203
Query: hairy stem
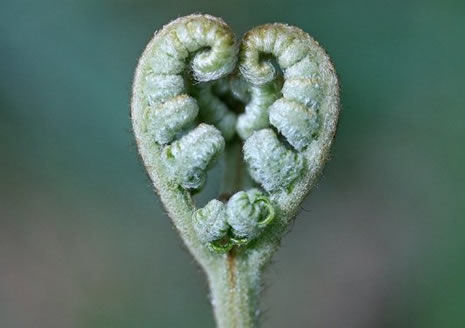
234,287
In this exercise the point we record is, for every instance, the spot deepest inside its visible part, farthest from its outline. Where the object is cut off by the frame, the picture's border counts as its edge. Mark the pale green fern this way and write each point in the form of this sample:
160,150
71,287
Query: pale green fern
199,93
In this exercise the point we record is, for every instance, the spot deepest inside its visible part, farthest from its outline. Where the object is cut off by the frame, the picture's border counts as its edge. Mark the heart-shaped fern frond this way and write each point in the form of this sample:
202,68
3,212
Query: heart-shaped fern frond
271,103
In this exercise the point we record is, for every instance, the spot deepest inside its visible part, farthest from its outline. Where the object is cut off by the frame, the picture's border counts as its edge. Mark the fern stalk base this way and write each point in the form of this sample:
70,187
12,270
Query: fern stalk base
234,288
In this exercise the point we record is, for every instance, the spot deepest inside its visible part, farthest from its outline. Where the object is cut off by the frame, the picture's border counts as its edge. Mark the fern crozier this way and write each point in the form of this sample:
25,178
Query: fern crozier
200,94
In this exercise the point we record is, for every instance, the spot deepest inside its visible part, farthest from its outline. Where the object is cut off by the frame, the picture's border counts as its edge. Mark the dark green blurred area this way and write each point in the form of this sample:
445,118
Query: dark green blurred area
84,242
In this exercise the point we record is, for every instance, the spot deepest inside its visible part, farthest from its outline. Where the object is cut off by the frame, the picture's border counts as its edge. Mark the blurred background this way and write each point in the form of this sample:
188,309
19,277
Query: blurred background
84,242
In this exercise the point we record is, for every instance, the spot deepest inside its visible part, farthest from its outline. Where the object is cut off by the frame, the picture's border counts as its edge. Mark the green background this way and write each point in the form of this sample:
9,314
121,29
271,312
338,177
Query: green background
84,242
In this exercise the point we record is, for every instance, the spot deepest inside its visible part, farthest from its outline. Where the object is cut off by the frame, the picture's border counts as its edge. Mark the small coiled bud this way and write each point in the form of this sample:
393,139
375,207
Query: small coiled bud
248,213
284,42
161,87
187,159
210,224
208,37
295,121
269,162
238,222
167,120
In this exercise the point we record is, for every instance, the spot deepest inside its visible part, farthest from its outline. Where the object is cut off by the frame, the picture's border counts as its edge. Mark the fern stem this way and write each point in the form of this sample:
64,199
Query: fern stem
234,288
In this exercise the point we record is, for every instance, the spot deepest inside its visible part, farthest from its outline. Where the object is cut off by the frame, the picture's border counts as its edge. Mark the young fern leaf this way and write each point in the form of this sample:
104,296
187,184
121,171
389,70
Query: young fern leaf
186,111
187,159
270,163
248,213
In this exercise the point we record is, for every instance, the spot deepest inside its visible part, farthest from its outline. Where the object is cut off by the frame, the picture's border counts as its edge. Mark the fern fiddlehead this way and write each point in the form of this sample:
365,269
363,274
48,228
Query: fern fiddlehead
198,92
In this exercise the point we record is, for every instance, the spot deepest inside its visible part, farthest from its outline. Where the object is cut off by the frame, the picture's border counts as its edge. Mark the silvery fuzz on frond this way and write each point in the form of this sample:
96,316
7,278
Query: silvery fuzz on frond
267,106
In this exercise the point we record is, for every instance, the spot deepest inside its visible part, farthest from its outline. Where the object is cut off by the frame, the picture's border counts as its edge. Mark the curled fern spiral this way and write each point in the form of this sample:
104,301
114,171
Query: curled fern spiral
268,107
